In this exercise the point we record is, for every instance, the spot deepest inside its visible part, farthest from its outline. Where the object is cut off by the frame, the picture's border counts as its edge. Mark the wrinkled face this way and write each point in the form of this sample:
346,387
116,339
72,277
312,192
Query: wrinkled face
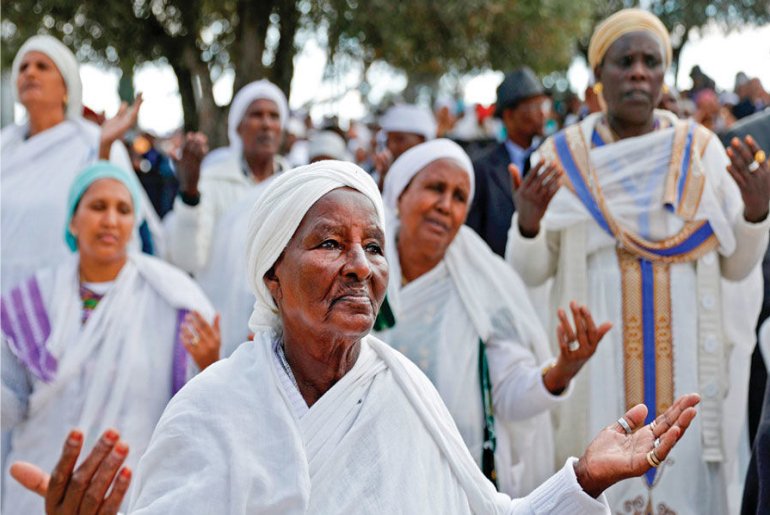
632,74
332,277
40,82
103,221
260,129
400,142
434,206
527,117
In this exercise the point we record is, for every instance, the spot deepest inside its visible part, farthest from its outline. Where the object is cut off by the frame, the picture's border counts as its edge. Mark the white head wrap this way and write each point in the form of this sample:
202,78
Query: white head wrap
409,118
411,162
66,63
258,90
279,212
327,143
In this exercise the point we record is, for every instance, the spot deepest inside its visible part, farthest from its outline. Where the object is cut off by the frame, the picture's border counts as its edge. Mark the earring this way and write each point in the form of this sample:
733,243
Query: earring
598,88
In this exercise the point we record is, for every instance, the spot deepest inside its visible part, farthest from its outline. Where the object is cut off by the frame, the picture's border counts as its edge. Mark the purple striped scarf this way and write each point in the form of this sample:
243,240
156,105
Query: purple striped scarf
26,326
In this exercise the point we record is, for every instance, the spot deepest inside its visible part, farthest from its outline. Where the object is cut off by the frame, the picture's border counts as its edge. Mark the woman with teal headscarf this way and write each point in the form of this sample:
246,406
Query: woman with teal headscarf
104,339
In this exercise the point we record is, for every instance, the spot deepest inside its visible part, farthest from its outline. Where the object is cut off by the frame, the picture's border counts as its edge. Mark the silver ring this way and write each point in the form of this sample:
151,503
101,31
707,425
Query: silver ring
624,425
195,339
753,166
573,345
652,426
652,459
656,443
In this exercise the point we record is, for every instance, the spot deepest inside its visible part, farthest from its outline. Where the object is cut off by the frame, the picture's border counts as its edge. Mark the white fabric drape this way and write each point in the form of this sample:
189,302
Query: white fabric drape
379,441
113,371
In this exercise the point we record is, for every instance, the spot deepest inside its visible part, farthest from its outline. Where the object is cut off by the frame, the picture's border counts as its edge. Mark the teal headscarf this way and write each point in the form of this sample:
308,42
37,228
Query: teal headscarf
99,170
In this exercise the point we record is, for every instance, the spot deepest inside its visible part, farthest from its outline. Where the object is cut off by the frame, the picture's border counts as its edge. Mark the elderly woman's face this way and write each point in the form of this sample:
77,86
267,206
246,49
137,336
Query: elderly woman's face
632,74
434,205
103,221
40,81
332,277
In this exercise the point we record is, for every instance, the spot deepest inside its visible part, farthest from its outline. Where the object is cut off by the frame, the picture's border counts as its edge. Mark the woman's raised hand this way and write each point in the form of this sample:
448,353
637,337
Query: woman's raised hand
576,345
533,194
117,126
201,339
82,491
751,171
620,452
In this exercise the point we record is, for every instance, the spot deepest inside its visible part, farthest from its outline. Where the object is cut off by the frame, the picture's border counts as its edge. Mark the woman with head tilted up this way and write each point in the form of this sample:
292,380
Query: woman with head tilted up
655,229
104,339
462,315
40,157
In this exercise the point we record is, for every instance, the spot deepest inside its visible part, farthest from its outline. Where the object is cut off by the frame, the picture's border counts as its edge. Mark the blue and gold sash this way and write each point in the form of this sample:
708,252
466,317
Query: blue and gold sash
644,264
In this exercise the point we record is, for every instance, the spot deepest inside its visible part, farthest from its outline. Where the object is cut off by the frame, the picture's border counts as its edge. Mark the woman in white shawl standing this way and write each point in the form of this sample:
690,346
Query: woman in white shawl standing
41,157
102,340
463,316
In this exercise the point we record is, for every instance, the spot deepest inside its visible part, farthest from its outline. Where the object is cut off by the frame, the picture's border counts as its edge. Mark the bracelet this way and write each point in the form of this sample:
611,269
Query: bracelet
190,200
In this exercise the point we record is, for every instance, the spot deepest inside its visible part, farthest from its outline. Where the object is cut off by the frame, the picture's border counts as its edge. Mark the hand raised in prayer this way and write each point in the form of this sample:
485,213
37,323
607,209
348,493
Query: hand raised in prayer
201,339
754,184
83,490
188,165
615,455
533,194
115,127
576,346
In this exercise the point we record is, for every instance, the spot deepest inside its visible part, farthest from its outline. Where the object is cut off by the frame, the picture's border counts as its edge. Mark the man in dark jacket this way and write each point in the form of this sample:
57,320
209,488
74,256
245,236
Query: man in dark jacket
522,105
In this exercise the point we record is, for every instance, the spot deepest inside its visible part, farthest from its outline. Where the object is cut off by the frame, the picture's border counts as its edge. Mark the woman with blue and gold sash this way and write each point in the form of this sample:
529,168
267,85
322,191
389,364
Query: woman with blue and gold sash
660,232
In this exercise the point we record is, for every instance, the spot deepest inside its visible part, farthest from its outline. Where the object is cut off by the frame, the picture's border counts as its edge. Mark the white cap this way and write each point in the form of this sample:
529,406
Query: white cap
409,118
329,144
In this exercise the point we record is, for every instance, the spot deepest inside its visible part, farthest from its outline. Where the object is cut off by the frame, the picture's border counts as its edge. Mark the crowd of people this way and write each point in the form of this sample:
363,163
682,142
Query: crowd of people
433,312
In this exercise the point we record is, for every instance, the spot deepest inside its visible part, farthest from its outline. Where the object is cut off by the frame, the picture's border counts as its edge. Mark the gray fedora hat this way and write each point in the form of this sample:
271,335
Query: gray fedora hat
518,85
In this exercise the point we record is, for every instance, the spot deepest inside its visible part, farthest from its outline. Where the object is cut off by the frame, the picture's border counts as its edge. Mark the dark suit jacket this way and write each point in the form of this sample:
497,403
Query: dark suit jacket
492,208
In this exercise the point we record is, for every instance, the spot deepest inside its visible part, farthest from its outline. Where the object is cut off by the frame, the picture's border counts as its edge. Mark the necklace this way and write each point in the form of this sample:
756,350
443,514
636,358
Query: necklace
285,364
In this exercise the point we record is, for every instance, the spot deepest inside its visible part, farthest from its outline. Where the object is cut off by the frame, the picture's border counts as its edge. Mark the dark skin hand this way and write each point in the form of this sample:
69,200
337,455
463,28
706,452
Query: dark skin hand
188,166
754,186
83,490
613,455
533,194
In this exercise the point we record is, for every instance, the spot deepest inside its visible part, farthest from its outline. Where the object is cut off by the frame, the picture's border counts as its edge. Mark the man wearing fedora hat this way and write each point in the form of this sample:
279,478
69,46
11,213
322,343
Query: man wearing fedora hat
521,104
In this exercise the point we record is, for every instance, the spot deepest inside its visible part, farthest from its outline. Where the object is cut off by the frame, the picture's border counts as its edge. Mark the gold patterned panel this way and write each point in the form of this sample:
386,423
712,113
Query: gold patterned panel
664,348
633,337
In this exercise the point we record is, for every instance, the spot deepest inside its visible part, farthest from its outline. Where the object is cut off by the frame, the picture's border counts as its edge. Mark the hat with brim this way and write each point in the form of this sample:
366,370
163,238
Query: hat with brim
517,86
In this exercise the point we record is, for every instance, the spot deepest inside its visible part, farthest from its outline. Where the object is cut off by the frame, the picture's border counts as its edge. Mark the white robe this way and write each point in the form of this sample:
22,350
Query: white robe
36,175
379,441
687,483
440,318
118,370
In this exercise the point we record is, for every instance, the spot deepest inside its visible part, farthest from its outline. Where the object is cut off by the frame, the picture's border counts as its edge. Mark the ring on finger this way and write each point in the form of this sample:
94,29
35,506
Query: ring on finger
754,166
623,424
194,340
574,345
760,156
656,443
652,426
652,459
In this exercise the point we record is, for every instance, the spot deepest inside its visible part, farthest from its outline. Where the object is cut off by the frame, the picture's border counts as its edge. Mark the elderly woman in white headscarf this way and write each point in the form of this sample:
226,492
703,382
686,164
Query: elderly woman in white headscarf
258,114
463,316
40,157
657,231
103,339
315,415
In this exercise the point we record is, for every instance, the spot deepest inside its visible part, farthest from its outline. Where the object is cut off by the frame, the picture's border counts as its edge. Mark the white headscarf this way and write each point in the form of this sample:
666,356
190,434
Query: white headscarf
411,162
409,118
327,143
258,90
66,63
279,212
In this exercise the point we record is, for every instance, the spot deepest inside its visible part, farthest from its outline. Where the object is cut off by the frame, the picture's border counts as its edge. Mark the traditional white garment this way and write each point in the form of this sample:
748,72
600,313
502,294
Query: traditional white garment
223,277
436,328
119,369
379,441
440,317
36,174
712,320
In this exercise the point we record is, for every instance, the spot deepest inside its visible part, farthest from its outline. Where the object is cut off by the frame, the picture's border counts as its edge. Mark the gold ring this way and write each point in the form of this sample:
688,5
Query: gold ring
652,459
760,156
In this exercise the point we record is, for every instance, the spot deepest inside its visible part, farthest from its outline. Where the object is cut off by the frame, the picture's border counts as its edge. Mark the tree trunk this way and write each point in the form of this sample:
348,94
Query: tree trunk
249,46
677,53
185,85
283,65
209,114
